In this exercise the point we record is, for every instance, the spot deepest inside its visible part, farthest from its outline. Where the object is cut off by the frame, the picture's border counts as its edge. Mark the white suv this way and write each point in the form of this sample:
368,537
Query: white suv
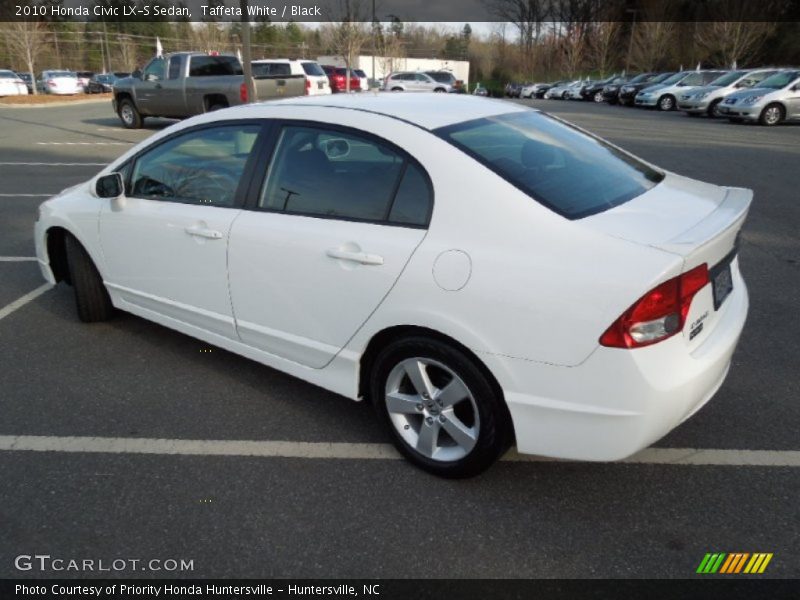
316,80
411,81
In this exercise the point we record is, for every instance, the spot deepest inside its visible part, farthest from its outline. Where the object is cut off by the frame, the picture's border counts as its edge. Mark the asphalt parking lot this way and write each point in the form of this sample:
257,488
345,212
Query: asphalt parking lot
327,516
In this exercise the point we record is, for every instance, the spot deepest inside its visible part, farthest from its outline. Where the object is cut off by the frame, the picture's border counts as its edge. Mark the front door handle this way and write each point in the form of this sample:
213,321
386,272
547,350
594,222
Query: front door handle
359,257
210,234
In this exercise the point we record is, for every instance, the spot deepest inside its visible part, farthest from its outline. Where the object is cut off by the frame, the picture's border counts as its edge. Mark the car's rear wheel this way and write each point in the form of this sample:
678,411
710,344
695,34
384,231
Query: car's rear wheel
771,115
440,90
713,109
91,295
666,103
442,412
397,89
130,117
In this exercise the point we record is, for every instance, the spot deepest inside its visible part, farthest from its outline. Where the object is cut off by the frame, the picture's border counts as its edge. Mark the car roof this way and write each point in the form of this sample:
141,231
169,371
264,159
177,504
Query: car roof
429,111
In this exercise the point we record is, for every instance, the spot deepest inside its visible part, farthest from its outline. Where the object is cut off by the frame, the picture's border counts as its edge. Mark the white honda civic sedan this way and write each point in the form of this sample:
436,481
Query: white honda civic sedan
484,273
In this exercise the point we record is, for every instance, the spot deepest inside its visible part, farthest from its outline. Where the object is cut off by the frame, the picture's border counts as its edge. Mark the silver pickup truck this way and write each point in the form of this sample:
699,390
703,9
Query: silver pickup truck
183,84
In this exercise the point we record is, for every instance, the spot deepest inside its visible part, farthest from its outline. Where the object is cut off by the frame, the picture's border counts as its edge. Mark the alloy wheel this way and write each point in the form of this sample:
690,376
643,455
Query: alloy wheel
432,409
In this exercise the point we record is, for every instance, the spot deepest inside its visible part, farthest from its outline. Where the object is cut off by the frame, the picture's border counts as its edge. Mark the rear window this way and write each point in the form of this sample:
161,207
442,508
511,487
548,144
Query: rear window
360,73
570,172
271,69
209,66
312,68
7,75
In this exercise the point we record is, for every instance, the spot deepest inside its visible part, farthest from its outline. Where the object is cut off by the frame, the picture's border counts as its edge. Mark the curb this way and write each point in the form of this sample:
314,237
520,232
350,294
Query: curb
65,103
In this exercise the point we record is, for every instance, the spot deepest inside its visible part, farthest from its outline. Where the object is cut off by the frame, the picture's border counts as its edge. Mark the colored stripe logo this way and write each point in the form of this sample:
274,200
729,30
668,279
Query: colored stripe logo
734,562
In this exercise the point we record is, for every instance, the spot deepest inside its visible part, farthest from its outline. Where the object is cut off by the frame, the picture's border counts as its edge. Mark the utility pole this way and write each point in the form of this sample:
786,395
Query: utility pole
247,67
374,32
108,53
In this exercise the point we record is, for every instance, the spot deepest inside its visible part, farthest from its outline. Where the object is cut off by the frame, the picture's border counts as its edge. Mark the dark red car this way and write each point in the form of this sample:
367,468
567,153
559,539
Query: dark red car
337,76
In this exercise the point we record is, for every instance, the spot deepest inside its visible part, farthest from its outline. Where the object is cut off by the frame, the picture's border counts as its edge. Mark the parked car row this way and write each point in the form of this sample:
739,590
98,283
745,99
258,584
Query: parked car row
57,81
11,84
765,95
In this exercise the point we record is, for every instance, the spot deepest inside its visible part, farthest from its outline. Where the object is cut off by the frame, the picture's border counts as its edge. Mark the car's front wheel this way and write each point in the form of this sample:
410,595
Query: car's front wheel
130,117
598,97
771,115
666,103
91,296
442,411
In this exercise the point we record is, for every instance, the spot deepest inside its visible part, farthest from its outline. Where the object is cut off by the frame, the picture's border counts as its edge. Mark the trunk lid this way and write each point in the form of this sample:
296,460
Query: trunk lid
697,221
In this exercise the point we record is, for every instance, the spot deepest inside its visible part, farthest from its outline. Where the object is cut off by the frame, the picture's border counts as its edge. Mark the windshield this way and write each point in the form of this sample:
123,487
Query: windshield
728,78
640,78
8,75
570,172
779,80
674,78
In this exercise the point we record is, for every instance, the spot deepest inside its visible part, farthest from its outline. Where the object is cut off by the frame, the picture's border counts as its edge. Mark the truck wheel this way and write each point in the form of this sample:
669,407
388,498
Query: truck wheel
216,106
130,117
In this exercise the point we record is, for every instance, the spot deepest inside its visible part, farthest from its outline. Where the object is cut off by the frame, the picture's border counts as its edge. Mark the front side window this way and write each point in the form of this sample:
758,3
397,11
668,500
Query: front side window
200,167
569,171
175,64
154,71
312,68
326,173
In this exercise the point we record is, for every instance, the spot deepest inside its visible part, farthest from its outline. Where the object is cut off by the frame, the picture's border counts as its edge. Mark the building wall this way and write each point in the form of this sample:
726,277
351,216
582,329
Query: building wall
385,65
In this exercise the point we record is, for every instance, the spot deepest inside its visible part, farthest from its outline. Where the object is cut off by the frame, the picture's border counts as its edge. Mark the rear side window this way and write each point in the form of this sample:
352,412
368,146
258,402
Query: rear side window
325,173
208,66
199,167
569,171
312,68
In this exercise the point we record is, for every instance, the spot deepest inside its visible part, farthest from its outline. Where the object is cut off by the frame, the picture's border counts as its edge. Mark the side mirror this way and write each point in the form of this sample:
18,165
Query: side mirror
137,74
110,186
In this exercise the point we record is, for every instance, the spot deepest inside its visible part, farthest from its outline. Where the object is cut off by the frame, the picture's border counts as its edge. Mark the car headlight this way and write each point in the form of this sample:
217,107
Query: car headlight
701,96
752,99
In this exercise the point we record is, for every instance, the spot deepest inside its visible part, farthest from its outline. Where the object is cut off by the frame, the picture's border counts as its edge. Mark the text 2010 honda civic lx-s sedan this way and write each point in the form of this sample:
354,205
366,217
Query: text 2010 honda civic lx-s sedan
483,273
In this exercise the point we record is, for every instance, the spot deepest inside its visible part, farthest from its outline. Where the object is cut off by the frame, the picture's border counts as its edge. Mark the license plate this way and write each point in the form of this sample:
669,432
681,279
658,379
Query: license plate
320,84
722,283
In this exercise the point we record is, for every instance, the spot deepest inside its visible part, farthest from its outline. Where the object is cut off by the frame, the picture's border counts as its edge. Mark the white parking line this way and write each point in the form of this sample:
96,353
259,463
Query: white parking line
339,450
27,195
19,303
83,143
56,164
18,259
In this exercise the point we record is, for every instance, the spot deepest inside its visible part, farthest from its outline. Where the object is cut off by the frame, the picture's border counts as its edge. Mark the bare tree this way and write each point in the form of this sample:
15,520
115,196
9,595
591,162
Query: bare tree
604,45
27,41
127,52
728,42
573,51
349,35
527,17
652,44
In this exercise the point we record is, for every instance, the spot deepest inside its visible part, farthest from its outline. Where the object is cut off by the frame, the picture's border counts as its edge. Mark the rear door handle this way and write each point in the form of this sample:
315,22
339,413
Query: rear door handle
210,234
359,257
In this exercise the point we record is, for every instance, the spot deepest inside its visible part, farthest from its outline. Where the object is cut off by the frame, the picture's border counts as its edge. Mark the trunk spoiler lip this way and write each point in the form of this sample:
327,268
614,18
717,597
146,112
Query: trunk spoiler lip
731,213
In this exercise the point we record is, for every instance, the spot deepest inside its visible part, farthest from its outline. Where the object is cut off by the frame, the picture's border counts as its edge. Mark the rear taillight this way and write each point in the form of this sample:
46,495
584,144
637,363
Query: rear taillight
243,93
659,314
308,86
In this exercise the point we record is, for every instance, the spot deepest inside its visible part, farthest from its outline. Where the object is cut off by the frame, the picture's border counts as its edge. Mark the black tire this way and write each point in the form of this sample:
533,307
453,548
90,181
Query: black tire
598,97
91,296
442,91
712,109
666,103
766,117
131,118
494,431
397,89
216,106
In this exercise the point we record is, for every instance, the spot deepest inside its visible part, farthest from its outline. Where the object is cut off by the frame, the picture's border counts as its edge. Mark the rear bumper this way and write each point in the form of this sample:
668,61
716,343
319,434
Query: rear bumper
620,401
